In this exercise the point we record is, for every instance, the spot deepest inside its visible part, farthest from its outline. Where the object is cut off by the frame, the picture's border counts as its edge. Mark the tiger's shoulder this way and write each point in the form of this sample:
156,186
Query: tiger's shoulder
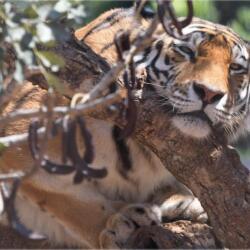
100,33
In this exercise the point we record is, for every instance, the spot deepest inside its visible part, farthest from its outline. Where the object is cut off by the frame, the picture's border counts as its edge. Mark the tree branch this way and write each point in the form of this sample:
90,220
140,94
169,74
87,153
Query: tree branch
211,169
179,234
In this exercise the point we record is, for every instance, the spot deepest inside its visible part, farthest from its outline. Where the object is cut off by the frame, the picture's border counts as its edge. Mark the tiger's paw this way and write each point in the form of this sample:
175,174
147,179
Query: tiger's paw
123,224
183,208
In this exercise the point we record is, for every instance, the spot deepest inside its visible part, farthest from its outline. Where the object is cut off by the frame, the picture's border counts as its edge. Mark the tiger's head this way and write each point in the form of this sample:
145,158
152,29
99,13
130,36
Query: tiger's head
203,79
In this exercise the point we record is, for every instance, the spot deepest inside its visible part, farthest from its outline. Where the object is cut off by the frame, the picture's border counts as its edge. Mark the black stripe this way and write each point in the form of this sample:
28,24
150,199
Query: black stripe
166,60
112,20
106,20
171,77
107,46
125,12
146,53
243,57
165,73
158,46
122,151
112,87
149,87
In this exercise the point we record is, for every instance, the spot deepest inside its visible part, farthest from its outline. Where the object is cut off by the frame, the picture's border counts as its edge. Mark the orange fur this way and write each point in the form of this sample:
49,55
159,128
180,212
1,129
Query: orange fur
213,56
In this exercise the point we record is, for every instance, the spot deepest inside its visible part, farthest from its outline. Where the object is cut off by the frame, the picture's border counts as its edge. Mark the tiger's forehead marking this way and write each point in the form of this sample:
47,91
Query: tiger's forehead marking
239,49
212,28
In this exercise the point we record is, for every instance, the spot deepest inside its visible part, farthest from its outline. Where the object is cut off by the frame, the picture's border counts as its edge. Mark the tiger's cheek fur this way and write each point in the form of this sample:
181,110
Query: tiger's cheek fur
196,129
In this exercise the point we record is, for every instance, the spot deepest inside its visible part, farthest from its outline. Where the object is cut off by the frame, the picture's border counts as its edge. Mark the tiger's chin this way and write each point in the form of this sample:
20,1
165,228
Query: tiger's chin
192,126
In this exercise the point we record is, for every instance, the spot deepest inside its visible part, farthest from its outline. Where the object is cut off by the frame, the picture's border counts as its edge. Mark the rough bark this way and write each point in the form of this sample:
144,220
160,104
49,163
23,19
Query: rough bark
9,239
179,234
210,168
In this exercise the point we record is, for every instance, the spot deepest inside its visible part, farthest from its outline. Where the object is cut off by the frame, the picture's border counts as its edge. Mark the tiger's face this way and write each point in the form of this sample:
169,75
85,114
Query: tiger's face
203,79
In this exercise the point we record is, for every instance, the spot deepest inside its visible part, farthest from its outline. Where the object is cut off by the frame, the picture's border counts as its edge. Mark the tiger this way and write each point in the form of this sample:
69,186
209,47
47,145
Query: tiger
202,80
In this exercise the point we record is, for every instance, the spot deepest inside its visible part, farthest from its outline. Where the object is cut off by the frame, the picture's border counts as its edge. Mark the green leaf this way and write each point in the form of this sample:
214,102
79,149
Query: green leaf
50,59
2,148
54,82
240,29
30,12
202,8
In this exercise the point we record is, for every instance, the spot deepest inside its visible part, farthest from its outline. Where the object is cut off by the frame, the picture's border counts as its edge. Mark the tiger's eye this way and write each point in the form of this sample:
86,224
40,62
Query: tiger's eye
186,49
237,67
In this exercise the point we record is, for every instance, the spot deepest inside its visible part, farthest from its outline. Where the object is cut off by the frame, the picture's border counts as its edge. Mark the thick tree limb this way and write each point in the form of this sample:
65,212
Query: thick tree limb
211,169
9,239
180,234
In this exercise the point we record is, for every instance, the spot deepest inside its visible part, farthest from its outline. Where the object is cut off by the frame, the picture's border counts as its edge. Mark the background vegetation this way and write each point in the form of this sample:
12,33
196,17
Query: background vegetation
234,13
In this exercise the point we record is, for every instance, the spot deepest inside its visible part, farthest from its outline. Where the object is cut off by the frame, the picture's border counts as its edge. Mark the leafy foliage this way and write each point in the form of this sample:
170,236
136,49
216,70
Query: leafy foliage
212,10
2,147
202,8
242,23
27,26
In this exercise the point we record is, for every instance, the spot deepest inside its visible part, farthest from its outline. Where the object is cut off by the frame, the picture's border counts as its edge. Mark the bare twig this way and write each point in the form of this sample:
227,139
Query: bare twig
95,105
139,44
165,8
12,176
9,196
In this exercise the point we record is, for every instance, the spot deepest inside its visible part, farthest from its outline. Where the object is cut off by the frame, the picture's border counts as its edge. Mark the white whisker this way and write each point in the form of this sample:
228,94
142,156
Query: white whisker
153,84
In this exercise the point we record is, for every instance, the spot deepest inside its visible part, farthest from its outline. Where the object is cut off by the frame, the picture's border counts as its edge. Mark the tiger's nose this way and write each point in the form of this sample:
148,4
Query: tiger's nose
207,95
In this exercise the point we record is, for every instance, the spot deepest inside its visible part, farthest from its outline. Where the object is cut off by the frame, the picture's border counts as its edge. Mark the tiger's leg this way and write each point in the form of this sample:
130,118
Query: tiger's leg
54,202
120,226
73,215
123,224
65,219
68,214
179,207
